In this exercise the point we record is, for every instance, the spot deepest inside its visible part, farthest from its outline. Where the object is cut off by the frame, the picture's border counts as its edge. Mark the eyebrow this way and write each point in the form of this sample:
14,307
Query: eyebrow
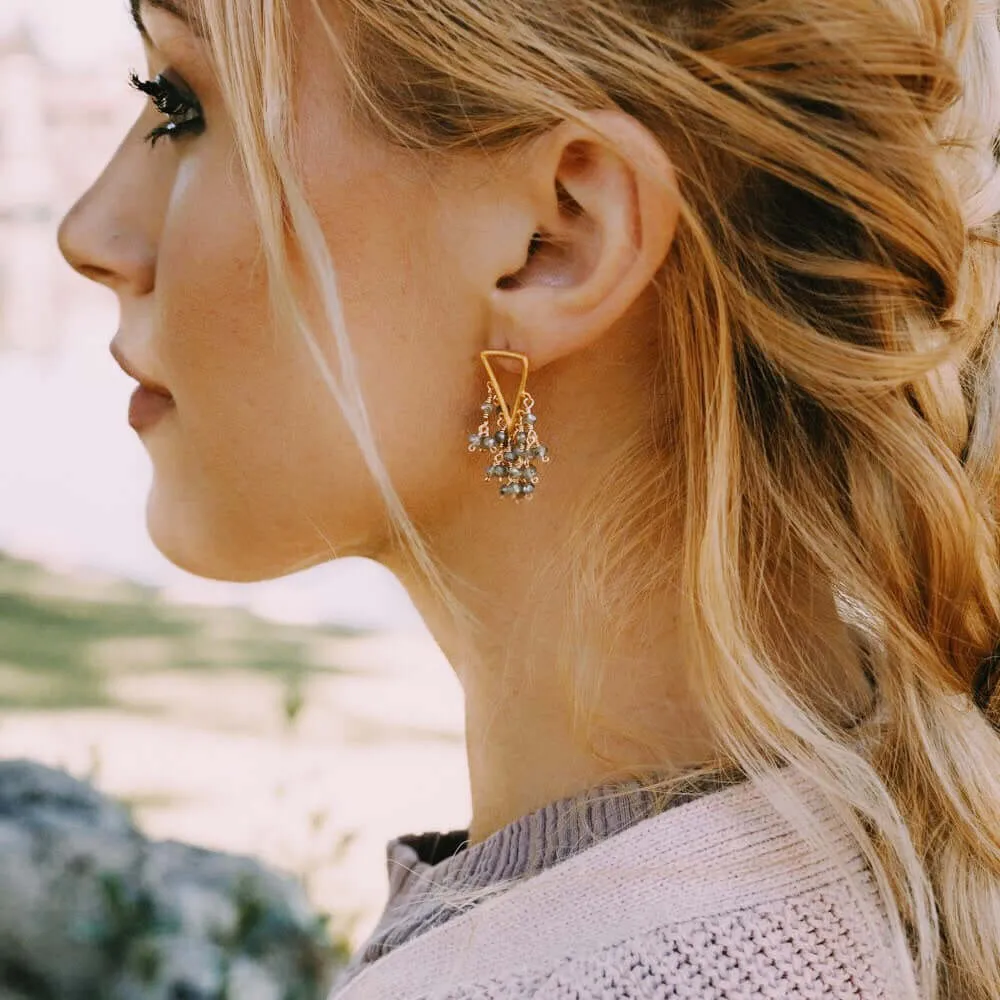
175,7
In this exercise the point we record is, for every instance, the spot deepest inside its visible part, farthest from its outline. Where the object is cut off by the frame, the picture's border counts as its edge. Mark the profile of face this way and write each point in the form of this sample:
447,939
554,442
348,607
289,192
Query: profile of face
256,471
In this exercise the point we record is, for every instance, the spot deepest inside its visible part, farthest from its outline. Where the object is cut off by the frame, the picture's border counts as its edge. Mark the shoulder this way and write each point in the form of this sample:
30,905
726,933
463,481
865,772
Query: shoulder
808,946
719,899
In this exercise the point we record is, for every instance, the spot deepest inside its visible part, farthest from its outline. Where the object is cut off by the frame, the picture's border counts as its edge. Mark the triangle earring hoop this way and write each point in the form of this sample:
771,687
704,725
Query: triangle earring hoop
508,432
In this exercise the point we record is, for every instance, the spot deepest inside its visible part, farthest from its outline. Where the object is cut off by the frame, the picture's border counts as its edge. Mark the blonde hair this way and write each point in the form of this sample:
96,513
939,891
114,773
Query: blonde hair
825,396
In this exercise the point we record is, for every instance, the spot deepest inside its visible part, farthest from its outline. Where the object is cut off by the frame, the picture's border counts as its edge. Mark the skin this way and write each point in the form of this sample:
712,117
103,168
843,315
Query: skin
256,474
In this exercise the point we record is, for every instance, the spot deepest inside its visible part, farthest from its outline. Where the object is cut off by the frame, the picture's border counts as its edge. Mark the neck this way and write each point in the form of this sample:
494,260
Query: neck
525,746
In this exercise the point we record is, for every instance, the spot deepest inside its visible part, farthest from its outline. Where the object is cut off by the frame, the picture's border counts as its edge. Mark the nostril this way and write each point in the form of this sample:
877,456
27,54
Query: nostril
80,245
99,274
98,257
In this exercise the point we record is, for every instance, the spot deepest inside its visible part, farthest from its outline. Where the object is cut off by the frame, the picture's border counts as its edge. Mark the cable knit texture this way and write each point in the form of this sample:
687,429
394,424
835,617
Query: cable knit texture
719,897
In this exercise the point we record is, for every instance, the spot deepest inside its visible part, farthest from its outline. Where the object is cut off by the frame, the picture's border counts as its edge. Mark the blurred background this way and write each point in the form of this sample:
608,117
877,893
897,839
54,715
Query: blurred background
303,721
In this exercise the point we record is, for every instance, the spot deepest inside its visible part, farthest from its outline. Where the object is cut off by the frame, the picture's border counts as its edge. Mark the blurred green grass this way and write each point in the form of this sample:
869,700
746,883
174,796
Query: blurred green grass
63,638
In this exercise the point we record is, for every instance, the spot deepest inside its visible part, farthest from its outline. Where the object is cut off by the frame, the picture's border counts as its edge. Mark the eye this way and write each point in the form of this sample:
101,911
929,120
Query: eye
177,103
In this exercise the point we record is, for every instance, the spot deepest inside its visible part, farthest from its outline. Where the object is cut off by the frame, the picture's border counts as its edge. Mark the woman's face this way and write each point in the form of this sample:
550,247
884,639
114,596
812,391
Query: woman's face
256,473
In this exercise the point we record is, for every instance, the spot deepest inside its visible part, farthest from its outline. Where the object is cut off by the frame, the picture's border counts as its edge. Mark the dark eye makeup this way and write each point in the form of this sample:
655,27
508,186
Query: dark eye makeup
176,102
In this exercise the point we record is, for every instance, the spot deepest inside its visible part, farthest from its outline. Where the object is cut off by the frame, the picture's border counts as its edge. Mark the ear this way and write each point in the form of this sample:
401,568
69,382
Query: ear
605,207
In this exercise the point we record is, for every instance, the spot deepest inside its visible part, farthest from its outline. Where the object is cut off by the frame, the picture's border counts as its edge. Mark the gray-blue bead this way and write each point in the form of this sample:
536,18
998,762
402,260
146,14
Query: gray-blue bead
522,437
527,488
490,443
510,456
474,439
501,436
531,418
541,451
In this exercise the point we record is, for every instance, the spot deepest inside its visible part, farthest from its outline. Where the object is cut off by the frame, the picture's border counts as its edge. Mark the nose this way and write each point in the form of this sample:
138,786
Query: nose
110,234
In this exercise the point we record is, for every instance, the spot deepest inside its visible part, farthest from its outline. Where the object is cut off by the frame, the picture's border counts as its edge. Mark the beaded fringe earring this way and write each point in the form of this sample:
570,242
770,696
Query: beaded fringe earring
512,439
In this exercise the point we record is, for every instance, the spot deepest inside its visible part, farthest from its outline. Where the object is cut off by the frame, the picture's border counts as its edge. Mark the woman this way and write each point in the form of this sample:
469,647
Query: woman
663,343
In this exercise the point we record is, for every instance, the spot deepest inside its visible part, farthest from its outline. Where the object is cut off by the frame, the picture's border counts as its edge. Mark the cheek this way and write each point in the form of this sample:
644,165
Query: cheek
257,448
259,452
413,328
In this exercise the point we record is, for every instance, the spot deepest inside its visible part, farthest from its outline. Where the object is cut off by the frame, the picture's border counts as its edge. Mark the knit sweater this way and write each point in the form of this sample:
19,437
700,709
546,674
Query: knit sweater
716,898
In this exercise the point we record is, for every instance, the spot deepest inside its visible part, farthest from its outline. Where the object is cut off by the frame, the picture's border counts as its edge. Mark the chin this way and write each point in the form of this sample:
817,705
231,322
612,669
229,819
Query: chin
197,546
205,563
223,548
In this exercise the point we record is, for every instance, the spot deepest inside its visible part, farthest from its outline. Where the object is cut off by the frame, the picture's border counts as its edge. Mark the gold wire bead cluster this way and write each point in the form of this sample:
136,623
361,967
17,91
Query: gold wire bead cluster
508,433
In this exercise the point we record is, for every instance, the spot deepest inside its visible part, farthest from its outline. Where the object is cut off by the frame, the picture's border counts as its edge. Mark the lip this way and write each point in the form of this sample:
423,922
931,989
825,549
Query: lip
146,408
144,382
150,401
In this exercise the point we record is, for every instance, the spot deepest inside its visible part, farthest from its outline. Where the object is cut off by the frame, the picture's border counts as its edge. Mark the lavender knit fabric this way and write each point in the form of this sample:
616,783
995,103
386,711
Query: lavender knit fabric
420,863
725,898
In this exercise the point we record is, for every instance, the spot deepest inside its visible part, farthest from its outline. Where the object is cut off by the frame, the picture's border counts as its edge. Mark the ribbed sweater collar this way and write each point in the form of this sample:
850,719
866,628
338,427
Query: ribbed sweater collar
524,847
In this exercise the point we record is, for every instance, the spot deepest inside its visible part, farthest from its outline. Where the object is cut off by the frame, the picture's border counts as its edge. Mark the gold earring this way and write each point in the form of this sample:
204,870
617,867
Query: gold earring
512,440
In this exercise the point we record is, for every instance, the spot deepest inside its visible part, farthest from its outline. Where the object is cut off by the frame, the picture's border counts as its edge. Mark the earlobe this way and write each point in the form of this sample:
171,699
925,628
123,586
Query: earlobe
607,209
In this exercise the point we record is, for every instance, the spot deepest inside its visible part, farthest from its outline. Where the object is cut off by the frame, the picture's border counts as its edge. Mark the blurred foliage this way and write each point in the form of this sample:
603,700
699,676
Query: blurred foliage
62,638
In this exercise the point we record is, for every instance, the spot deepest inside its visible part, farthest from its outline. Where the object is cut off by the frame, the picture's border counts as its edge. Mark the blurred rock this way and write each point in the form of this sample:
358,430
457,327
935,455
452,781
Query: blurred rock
90,908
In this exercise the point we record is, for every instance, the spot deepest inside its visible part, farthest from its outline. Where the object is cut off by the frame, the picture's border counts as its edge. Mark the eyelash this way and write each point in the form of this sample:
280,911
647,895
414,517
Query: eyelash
181,108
